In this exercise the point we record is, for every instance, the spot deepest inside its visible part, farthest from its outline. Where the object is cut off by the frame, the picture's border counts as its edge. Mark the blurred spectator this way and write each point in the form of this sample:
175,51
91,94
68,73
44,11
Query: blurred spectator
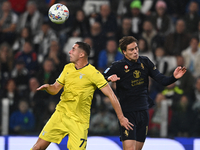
125,29
172,91
6,62
63,29
107,20
161,20
107,56
177,41
137,18
24,35
8,22
177,8
10,92
55,53
43,39
144,50
99,40
31,18
151,36
80,25
155,117
103,123
186,82
192,18
29,57
196,105
21,76
37,100
192,56
196,109
22,121
91,58
48,112
197,33
18,6
47,73
165,64
182,118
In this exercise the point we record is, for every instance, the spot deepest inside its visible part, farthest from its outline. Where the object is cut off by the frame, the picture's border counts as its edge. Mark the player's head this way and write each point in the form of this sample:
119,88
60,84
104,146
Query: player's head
80,50
129,47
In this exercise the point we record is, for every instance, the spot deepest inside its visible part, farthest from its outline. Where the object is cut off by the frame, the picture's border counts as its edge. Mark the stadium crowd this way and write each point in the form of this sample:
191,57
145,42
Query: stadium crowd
33,51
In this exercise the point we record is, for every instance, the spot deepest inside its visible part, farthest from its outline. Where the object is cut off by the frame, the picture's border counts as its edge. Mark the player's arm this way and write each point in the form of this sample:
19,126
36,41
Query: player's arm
161,78
115,103
52,89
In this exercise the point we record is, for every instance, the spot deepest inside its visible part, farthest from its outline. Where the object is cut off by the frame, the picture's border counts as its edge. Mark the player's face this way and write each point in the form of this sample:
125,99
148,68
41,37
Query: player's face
74,53
132,52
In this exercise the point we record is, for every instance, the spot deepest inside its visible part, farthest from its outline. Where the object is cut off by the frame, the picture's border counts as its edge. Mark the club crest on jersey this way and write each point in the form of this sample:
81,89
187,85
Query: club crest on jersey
126,68
136,73
81,75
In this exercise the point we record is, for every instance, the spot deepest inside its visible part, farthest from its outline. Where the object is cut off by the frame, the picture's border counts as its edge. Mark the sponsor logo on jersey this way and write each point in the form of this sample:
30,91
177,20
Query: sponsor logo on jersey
136,73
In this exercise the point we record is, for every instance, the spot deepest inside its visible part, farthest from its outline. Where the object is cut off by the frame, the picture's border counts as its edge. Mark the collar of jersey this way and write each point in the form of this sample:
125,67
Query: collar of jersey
82,67
132,63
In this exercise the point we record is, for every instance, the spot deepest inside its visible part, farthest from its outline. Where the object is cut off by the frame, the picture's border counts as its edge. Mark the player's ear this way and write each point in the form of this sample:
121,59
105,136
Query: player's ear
123,51
82,54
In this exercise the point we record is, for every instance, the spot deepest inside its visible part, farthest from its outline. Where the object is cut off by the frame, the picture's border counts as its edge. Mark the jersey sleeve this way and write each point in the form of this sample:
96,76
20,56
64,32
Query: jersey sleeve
61,78
159,77
110,71
98,79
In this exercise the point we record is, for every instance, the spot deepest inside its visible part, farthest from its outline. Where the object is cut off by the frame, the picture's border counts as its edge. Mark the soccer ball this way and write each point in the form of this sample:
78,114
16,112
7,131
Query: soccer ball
58,13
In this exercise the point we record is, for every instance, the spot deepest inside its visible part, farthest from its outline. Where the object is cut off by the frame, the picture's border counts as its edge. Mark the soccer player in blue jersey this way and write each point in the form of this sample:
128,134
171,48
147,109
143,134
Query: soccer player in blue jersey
131,75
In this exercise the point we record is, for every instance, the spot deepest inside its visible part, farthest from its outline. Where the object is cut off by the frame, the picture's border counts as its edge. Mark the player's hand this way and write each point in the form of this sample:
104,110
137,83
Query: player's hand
179,72
43,87
113,78
126,124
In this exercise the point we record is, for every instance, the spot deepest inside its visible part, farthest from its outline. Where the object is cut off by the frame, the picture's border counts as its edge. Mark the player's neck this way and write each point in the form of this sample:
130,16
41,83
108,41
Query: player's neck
81,64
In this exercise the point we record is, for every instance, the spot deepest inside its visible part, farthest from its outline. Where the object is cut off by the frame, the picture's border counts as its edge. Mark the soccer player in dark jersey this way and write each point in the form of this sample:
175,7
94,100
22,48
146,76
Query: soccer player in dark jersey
131,75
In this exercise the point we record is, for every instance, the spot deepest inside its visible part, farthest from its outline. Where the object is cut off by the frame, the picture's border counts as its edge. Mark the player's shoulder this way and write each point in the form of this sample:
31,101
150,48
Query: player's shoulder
144,59
92,69
119,62
93,72
69,65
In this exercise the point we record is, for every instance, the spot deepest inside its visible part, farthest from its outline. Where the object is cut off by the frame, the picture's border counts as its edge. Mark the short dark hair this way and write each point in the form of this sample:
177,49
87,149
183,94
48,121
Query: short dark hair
84,46
126,40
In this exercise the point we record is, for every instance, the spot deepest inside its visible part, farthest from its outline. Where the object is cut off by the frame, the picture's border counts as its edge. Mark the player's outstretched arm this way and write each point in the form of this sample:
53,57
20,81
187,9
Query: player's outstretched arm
52,89
179,72
115,103
113,78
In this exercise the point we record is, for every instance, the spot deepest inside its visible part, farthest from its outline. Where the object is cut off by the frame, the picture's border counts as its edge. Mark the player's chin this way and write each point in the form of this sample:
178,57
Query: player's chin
71,60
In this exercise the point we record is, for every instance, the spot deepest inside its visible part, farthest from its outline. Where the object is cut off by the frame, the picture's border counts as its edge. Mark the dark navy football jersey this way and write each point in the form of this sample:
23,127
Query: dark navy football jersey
132,88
